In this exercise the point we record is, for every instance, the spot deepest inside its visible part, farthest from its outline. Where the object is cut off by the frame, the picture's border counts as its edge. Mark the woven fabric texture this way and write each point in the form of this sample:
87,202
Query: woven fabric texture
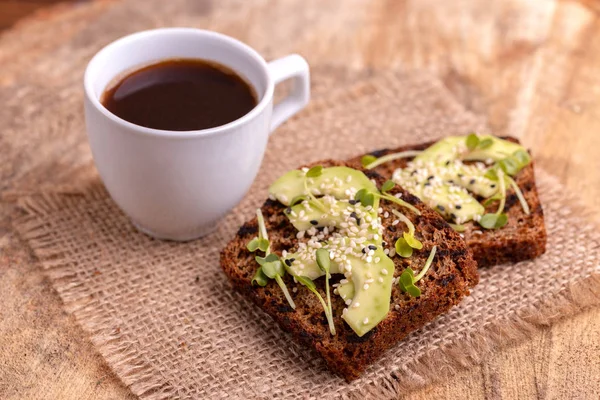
167,321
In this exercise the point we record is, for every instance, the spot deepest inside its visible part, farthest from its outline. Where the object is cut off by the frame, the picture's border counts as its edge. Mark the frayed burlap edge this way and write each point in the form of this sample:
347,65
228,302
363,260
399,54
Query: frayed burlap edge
141,377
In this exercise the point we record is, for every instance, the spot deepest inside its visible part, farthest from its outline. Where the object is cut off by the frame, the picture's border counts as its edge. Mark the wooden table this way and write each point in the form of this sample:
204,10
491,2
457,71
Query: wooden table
531,66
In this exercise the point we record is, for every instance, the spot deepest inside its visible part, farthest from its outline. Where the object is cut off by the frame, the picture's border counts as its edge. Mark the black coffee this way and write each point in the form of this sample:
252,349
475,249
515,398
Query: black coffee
180,95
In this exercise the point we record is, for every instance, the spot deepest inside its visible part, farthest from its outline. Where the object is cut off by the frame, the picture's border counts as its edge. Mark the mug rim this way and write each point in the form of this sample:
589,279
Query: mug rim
258,109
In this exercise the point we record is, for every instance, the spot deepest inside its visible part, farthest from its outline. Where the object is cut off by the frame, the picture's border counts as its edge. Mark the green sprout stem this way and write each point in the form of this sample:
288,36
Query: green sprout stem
284,289
312,197
502,188
404,218
519,194
427,264
262,229
398,201
392,157
329,312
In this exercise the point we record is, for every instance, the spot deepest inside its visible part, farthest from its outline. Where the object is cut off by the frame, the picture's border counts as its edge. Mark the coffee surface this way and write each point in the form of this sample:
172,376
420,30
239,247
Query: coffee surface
180,95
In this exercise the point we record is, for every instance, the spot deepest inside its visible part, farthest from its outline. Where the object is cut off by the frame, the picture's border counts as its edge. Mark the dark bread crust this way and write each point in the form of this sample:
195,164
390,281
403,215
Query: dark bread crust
451,275
522,238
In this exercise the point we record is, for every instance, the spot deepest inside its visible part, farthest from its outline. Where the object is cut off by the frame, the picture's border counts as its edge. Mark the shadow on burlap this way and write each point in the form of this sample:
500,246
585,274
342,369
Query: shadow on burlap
167,321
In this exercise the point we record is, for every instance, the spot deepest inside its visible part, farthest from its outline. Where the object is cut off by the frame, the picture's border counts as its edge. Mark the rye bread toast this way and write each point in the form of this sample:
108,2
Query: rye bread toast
449,279
522,238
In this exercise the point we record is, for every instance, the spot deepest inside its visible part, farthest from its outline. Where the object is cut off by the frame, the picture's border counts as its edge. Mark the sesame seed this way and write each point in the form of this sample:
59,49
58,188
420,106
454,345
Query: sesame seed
349,178
377,259
348,302
371,252
386,251
366,321
396,222
386,214
380,280
356,305
283,198
300,234
295,289
366,286
392,252
370,280
384,271
314,222
396,307
369,259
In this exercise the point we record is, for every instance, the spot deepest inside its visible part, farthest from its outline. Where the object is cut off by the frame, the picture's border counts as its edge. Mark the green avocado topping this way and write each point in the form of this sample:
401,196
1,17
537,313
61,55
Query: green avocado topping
336,213
453,174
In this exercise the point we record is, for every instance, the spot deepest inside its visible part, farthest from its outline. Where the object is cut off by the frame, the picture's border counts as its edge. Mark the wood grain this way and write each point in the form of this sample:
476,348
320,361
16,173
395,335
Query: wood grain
531,66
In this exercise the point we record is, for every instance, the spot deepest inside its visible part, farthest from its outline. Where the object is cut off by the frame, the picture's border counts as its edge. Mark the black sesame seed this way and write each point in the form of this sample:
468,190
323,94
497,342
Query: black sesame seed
314,222
493,185
451,182
353,215
288,262
458,206
320,228
430,177
288,210
427,184
364,250
372,247
412,173
440,207
392,228
353,202
292,259
452,215
460,175
448,162
472,182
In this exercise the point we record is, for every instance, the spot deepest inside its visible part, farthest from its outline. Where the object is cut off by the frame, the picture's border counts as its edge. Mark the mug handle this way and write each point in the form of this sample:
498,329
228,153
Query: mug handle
296,67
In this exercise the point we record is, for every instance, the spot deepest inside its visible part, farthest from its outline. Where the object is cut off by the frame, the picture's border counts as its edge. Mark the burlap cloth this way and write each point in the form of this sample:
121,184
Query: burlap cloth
167,321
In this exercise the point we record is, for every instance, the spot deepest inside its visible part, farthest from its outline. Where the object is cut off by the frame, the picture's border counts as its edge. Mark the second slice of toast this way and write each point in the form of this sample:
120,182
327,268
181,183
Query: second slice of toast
522,238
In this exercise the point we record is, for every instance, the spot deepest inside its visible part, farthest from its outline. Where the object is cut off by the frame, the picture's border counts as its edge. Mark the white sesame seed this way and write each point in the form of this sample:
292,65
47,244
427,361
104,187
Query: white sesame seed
366,286
300,234
356,305
376,260
386,251
398,195
344,281
392,252
380,280
370,280
375,237
348,302
284,253
369,259
396,222
386,214
397,307
366,321
384,271
283,198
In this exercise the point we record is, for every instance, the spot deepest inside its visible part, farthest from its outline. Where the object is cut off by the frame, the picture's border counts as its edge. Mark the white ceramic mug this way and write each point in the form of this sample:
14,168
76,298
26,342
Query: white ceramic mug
177,185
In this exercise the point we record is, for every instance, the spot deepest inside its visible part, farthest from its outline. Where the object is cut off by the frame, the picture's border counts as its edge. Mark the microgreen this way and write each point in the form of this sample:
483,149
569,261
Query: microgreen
367,159
486,143
270,265
493,221
519,194
458,228
324,263
314,172
522,157
472,141
370,162
260,278
403,248
409,237
408,279
412,241
407,283
498,219
398,201
365,197
509,166
387,186
310,285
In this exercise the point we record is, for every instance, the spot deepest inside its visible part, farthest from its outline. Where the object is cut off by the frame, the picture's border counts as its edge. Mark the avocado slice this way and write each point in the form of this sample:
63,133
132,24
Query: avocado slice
339,182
